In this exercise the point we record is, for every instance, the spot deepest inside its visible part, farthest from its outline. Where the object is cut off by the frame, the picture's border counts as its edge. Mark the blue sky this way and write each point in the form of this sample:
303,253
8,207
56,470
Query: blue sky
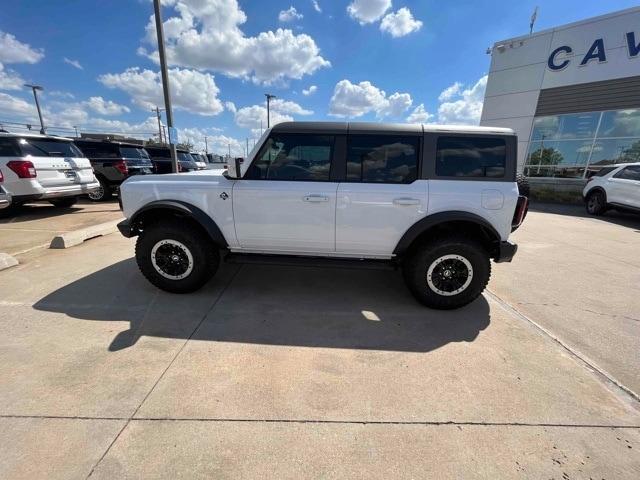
369,60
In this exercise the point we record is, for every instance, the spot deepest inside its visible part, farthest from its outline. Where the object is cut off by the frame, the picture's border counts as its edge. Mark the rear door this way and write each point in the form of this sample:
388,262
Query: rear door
58,163
382,195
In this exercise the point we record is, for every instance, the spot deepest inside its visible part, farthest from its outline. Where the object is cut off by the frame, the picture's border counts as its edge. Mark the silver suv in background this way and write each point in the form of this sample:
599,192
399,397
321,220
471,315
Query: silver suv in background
44,167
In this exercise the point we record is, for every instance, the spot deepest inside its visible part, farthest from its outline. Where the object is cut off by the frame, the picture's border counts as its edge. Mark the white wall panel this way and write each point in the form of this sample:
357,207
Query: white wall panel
507,106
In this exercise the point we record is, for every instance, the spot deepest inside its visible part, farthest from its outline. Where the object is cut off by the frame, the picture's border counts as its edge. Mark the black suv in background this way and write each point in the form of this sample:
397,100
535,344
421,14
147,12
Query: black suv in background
113,162
161,158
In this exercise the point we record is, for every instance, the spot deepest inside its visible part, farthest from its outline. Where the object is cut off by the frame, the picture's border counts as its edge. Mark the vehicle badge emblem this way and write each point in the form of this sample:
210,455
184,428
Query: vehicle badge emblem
224,195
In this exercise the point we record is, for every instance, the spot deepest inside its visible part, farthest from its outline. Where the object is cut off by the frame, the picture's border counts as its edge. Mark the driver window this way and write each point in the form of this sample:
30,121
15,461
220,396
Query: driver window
293,157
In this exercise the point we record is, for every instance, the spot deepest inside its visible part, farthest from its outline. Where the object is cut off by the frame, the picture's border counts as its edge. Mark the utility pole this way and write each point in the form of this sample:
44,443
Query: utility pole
247,155
76,128
206,145
35,89
157,110
229,151
165,84
269,97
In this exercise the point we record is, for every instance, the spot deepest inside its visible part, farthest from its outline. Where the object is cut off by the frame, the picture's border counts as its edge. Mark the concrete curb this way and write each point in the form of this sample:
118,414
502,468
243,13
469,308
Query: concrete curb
7,261
76,237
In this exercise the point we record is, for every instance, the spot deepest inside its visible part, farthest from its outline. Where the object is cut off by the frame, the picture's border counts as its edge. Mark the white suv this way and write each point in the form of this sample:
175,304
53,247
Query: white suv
617,186
438,202
44,167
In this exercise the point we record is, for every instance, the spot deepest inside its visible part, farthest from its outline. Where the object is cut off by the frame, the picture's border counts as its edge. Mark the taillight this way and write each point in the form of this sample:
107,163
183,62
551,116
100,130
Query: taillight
522,207
22,168
589,179
121,166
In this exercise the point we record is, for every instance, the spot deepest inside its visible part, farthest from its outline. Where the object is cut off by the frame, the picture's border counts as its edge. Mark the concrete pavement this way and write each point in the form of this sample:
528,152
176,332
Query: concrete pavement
293,372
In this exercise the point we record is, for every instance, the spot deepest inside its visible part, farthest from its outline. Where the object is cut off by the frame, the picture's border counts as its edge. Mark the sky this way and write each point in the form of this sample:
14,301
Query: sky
419,61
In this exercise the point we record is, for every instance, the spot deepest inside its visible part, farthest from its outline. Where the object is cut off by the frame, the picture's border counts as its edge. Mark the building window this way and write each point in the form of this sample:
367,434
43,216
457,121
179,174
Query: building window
578,145
470,157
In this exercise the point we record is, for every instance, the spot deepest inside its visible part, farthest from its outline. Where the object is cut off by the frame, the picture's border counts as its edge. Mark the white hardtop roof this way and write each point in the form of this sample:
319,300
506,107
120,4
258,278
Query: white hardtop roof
34,135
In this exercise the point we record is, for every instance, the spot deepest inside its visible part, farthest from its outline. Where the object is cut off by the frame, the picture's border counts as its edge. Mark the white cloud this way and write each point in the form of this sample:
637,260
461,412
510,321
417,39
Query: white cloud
207,35
280,110
14,51
355,100
230,106
216,143
105,107
310,91
316,6
289,15
450,92
368,11
61,94
73,63
10,80
463,107
14,107
419,115
191,91
400,23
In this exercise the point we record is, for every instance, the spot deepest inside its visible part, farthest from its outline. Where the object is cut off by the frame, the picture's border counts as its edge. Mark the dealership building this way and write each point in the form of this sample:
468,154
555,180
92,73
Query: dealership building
572,94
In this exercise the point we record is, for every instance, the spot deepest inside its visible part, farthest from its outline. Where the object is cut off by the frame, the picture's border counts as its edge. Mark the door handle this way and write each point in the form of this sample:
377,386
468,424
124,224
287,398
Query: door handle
406,201
315,198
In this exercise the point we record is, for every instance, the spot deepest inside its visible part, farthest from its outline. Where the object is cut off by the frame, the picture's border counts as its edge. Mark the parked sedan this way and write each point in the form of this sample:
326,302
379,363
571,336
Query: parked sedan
617,186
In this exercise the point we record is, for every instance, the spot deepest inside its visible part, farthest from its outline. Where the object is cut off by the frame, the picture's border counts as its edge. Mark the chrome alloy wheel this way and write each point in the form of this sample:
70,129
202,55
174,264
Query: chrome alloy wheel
449,275
172,259
97,194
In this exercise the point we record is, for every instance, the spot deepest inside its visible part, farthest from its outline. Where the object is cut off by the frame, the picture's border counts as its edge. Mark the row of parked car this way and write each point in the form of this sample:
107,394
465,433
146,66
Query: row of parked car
60,170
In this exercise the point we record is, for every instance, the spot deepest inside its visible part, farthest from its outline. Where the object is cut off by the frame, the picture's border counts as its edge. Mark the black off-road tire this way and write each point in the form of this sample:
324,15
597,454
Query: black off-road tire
66,202
416,268
523,185
205,255
103,194
596,202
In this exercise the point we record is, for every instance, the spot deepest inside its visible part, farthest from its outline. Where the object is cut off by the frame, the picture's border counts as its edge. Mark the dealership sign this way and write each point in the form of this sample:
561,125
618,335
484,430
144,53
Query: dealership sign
558,58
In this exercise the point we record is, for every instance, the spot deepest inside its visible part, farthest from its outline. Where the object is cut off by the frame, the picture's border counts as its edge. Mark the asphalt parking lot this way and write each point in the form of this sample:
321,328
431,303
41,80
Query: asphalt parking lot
292,372
35,224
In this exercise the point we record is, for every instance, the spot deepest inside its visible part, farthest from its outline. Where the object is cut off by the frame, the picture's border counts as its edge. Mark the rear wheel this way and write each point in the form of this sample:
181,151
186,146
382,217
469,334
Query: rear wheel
447,273
102,193
64,202
175,257
596,203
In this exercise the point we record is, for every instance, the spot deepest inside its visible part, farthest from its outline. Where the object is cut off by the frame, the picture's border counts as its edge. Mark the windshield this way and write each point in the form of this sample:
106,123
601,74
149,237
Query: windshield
46,147
134,152
185,157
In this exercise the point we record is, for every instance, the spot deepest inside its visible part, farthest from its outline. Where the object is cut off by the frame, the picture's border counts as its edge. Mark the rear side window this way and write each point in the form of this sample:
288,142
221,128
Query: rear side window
48,148
382,158
604,171
8,148
133,152
97,150
471,157
629,173
293,157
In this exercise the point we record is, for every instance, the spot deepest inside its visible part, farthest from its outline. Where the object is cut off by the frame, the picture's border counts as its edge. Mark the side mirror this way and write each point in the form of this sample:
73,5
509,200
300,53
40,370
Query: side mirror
233,168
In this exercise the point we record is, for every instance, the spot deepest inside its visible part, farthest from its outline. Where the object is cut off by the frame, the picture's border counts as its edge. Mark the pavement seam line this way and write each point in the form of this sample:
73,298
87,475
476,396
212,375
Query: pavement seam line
586,362
131,417
328,422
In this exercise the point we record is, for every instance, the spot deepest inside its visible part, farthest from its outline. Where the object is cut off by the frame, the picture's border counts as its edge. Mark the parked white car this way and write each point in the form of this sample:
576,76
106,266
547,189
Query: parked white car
437,202
5,197
44,167
617,186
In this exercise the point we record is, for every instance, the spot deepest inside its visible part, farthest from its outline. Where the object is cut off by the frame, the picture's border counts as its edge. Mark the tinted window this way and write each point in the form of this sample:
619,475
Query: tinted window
293,157
382,158
470,157
159,152
8,148
48,148
133,152
629,173
604,171
98,150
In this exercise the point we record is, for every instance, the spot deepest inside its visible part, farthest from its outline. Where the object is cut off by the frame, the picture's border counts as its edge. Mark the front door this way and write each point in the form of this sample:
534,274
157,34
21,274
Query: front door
286,203
625,187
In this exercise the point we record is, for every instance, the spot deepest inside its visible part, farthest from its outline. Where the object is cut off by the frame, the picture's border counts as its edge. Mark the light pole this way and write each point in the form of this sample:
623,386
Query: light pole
76,129
269,97
35,89
157,111
165,84
206,146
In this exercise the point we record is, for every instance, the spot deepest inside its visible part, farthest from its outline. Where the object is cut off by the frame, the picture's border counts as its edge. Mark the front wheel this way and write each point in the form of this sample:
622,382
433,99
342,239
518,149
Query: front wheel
175,257
596,203
447,273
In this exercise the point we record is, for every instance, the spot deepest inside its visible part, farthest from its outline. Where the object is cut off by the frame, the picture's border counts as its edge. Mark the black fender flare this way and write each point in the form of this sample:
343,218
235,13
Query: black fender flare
441,218
182,208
